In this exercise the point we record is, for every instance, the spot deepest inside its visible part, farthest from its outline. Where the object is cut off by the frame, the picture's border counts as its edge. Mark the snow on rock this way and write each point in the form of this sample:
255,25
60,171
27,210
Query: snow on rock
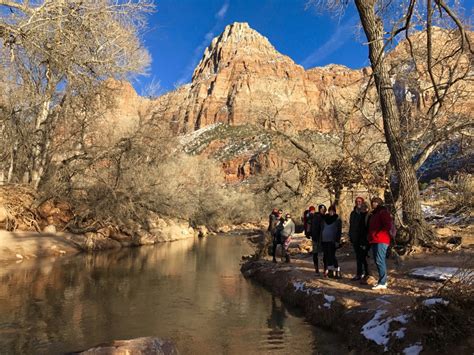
414,349
437,273
329,299
301,287
378,329
400,333
432,301
188,138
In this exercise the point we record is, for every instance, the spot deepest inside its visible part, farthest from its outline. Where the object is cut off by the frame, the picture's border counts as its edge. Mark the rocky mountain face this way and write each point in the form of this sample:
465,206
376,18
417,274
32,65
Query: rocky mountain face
242,79
244,92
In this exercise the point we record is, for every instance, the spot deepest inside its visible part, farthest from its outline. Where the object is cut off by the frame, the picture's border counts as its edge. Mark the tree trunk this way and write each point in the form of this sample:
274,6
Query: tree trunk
42,134
40,145
412,214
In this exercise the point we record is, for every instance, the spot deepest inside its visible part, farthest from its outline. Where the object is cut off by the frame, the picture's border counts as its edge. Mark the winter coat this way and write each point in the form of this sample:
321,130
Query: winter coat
316,225
272,223
307,220
286,228
380,223
331,229
358,227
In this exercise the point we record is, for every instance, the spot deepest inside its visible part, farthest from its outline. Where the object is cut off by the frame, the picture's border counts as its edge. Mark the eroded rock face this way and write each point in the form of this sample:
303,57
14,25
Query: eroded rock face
139,346
243,79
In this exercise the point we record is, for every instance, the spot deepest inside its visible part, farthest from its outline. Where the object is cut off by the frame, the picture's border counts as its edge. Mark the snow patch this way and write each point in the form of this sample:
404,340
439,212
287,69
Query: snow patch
432,301
437,273
329,299
378,329
400,333
414,349
188,138
301,287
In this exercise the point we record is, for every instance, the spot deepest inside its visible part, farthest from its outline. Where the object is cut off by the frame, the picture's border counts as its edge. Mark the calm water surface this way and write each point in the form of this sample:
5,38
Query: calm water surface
189,291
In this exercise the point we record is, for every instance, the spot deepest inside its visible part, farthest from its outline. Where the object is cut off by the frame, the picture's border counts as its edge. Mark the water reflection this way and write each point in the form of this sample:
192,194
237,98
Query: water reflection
189,291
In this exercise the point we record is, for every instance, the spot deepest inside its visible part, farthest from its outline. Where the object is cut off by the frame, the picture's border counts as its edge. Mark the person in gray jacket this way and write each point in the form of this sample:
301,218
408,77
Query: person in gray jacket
284,231
330,238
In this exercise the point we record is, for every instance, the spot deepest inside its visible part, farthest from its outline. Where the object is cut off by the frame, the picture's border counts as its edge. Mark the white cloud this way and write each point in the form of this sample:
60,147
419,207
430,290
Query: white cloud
198,51
222,11
342,34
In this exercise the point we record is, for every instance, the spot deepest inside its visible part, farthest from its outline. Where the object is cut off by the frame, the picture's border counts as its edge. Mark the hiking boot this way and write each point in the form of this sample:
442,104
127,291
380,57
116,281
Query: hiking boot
274,260
379,287
287,259
356,278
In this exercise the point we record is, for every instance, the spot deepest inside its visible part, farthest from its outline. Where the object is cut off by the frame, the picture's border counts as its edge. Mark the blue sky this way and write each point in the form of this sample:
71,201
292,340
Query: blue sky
180,30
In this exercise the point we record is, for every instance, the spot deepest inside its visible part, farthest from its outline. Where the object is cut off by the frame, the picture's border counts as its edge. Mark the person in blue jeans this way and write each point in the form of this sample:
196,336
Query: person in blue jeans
380,224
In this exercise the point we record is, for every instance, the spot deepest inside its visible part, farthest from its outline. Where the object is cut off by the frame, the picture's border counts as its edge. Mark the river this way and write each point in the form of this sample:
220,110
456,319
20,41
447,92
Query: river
189,291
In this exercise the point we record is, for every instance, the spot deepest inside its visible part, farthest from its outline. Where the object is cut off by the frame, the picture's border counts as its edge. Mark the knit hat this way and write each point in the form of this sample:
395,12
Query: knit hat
378,200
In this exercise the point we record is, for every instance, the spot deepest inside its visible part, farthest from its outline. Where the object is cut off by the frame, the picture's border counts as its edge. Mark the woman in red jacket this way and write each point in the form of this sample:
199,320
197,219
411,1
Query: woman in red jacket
380,223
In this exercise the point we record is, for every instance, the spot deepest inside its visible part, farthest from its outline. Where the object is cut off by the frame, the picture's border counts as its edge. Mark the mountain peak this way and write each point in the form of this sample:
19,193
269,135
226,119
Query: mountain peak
238,40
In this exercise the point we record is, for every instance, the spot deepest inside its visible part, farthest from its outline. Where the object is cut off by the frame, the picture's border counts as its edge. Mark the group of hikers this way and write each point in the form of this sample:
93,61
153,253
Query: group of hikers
369,228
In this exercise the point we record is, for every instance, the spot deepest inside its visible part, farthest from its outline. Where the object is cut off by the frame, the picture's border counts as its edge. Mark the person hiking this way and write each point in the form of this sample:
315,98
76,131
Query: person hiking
284,232
358,237
307,219
330,238
272,221
267,238
316,225
379,226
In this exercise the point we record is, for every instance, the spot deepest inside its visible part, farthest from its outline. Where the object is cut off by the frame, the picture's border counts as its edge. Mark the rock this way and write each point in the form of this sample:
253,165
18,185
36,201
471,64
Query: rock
167,229
139,346
3,214
444,232
202,231
224,229
95,242
50,228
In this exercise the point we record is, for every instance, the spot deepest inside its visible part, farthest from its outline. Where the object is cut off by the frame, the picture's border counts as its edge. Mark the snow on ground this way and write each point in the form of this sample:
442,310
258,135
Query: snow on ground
378,329
432,215
188,138
414,349
301,287
329,299
436,273
432,301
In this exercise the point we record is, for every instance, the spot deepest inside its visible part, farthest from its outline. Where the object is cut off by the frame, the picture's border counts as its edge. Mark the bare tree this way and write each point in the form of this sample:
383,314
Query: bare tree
382,21
57,49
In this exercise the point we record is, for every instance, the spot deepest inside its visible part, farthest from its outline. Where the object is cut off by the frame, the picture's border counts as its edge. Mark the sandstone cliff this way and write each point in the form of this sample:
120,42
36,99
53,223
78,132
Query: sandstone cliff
242,79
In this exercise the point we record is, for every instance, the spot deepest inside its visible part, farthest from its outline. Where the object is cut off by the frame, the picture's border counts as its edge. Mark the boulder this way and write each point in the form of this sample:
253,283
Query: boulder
50,228
3,214
202,231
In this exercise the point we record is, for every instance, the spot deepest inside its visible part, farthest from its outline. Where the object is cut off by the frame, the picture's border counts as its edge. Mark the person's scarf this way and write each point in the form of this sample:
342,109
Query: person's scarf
328,219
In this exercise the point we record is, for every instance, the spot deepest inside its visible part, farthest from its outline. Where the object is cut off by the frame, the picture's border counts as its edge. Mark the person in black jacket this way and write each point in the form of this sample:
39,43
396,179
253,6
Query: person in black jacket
358,237
316,225
331,232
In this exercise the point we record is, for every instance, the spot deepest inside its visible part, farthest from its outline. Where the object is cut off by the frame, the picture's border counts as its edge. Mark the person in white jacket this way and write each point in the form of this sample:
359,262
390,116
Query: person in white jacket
284,231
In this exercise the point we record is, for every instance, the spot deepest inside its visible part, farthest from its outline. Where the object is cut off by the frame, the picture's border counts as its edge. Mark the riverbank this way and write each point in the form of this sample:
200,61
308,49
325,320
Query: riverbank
402,319
21,245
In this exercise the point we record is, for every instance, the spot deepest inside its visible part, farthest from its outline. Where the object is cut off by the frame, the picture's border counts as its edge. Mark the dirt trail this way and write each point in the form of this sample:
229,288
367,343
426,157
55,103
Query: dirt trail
371,321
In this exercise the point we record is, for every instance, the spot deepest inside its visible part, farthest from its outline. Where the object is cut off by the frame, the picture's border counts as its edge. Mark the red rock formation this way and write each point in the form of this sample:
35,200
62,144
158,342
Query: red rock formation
242,79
